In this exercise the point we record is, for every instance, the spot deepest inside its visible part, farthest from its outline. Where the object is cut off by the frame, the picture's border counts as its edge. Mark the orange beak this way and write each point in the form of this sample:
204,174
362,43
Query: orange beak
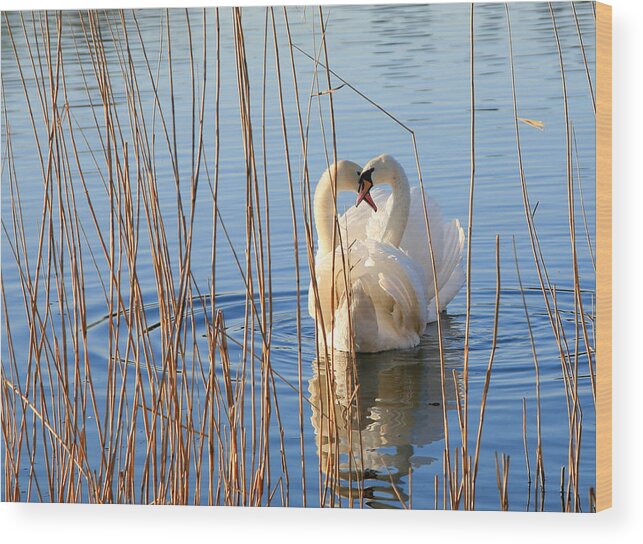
364,193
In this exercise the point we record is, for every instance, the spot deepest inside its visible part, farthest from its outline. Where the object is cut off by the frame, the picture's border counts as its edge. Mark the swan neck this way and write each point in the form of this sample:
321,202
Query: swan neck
323,209
398,219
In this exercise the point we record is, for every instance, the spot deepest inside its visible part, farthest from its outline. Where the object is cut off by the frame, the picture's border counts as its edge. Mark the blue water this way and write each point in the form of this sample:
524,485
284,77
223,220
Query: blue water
414,62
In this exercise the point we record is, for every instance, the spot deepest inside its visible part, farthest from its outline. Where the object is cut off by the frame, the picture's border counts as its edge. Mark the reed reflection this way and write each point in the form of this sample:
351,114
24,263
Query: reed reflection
371,415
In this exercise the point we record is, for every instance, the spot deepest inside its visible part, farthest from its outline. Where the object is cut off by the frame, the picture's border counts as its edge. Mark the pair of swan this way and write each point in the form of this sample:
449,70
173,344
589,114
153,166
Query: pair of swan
391,294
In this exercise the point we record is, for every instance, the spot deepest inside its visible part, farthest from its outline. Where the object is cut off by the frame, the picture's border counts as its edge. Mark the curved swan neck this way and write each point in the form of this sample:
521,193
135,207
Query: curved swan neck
347,174
323,209
399,216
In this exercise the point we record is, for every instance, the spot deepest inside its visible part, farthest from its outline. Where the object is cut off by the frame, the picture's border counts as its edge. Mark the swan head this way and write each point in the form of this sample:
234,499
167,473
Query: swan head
381,170
345,176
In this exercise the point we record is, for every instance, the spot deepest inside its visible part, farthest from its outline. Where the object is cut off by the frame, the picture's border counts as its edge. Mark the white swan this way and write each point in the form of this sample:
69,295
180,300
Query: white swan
391,296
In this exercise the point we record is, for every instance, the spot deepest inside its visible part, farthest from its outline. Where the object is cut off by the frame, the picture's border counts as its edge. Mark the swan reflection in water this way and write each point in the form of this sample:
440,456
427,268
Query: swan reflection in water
371,415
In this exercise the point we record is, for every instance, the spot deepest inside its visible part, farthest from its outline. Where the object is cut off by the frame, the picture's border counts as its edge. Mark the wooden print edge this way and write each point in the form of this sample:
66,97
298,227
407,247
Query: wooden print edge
603,256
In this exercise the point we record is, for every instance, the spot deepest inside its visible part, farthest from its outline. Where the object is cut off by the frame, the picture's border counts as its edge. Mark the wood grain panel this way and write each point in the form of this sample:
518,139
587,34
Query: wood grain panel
604,256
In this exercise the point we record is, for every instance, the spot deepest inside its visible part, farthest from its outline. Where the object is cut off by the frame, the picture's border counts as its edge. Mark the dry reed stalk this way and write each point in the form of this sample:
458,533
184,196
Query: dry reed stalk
524,441
267,381
585,63
576,420
583,209
502,480
296,248
471,496
540,469
464,425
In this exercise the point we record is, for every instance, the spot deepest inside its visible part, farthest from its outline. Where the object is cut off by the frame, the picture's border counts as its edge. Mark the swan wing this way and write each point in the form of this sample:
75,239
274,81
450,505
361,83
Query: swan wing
387,303
399,298
448,242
